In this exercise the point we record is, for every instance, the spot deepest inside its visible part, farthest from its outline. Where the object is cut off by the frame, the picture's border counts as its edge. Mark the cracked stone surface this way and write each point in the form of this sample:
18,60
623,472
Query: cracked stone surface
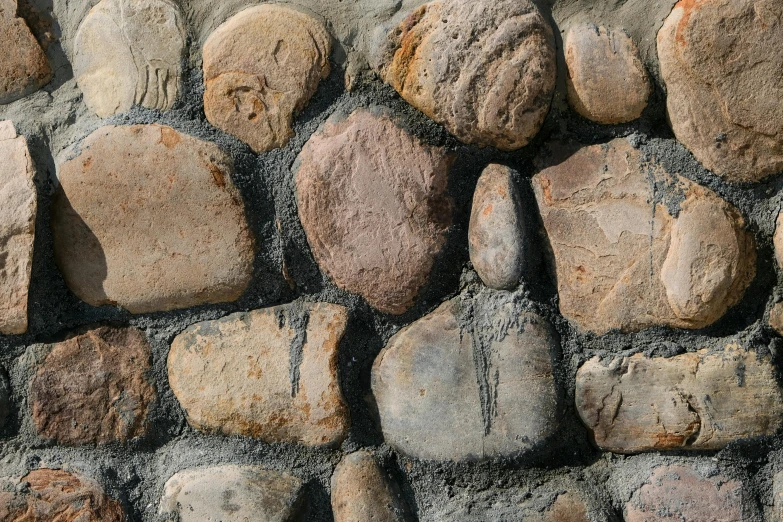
471,380
261,67
18,206
485,70
362,491
23,65
724,87
231,493
175,233
130,52
269,374
694,401
635,246
373,202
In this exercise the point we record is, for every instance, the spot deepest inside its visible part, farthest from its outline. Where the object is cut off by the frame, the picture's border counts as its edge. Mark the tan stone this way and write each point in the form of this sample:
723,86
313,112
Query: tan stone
94,388
130,52
362,491
53,495
606,79
23,65
148,219
484,69
694,401
635,246
269,374
373,202
261,67
776,317
724,87
777,240
18,205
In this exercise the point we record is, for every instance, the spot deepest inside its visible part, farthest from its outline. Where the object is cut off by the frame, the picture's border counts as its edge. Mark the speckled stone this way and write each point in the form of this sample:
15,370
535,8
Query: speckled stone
23,65
362,491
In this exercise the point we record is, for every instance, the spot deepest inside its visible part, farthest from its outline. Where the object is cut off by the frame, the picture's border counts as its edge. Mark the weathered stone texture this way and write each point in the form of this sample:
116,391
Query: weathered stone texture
231,493
361,491
269,374
776,317
495,234
373,202
634,246
724,87
53,495
485,70
148,219
5,398
94,388
261,67
606,79
18,204
130,52
471,380
23,65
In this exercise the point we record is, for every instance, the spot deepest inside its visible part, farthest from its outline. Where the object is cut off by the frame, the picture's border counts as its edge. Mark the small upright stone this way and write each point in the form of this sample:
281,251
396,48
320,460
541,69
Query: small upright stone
269,374
94,388
361,491
148,219
373,202
231,493
18,205
484,69
23,65
261,67
495,234
130,52
606,80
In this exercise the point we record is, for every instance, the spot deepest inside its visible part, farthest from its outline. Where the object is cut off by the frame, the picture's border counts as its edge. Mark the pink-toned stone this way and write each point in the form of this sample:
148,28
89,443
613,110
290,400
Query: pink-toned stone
23,65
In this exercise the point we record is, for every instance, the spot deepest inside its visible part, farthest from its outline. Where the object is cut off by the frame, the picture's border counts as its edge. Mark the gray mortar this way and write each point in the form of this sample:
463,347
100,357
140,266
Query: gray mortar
55,118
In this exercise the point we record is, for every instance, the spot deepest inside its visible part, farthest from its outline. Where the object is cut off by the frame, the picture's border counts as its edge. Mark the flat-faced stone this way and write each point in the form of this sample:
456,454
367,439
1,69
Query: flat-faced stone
471,380
777,240
53,495
18,204
373,202
776,317
231,493
693,401
23,65
679,492
362,491
635,246
261,67
130,52
485,70
724,87
148,219
94,387
495,234
269,374
606,80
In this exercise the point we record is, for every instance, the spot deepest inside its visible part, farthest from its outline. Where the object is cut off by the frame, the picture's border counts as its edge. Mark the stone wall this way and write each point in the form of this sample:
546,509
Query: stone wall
393,260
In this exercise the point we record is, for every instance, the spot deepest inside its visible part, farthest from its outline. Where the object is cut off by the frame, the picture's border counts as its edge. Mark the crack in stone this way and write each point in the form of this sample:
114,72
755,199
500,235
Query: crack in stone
298,317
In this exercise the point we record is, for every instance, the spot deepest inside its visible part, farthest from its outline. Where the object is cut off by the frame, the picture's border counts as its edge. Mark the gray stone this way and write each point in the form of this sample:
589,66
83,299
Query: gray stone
362,491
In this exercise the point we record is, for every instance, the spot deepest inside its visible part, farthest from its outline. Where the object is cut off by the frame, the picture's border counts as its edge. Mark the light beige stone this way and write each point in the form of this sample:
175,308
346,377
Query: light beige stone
23,65
130,52
269,374
777,240
18,204
635,246
261,67
776,317
362,491
724,87
148,219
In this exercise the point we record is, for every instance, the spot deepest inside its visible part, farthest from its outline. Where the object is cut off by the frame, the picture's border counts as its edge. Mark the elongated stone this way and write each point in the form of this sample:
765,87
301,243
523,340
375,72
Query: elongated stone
362,491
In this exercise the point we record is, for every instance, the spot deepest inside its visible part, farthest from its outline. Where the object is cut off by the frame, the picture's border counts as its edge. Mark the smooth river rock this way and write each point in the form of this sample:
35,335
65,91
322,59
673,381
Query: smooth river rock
148,218
23,65
18,205
635,246
484,69
130,52
362,491
261,67
269,374
724,87
373,202
472,380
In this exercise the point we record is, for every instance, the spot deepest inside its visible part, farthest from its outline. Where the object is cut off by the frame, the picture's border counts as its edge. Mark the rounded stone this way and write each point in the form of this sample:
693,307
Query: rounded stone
23,65
261,67
148,219
606,79
362,491
485,69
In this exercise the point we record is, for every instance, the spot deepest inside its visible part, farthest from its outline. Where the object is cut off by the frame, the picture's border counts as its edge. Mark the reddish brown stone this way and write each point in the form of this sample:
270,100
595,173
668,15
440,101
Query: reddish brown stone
94,388
23,65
